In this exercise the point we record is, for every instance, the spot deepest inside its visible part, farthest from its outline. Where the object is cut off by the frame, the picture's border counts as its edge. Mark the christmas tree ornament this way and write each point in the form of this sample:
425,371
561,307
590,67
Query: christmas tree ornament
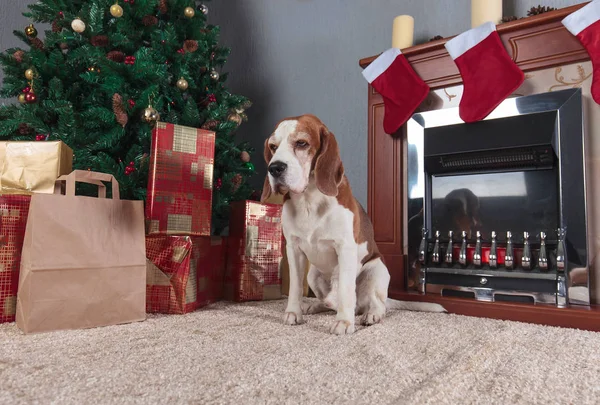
30,31
214,75
212,98
402,89
203,69
150,20
162,6
249,166
130,168
78,25
29,74
131,103
489,74
189,12
129,60
235,117
190,45
583,24
99,40
182,84
116,56
18,55
150,116
245,157
203,9
37,43
26,90
31,97
56,26
23,129
210,124
181,51
40,137
64,46
219,183
21,98
116,10
119,110
237,182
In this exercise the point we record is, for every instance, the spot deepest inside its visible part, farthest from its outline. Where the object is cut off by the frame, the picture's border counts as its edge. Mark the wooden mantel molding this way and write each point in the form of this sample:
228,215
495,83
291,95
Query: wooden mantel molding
534,43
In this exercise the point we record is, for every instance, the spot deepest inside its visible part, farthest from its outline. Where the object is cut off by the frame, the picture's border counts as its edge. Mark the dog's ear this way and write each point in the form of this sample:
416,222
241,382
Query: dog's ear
266,193
329,170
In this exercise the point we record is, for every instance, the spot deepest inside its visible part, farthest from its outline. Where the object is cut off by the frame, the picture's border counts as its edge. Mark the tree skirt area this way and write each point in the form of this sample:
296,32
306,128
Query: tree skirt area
243,354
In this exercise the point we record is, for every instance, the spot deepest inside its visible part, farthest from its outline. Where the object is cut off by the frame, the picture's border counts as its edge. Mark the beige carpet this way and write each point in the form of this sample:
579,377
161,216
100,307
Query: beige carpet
242,354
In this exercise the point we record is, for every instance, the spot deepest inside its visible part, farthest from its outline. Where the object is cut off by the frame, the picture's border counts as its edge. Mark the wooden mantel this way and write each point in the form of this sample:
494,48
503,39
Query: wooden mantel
537,42
534,43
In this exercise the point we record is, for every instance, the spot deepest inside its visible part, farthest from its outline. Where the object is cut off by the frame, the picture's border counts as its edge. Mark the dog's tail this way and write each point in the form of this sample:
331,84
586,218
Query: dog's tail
414,306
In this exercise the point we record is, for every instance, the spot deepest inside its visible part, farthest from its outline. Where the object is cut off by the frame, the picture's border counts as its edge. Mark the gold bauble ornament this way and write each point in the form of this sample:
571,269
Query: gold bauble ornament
116,10
150,115
21,98
235,118
214,75
29,74
182,84
30,31
78,25
189,12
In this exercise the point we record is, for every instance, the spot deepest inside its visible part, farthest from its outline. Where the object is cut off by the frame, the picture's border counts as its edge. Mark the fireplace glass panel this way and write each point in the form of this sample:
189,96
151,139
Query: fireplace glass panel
515,201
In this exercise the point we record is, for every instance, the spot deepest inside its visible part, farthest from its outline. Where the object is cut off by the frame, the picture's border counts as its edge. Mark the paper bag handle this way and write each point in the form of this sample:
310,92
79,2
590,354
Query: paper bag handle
86,176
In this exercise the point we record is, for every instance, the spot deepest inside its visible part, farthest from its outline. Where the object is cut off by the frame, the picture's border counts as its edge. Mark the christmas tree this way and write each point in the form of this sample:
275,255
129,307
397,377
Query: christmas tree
107,71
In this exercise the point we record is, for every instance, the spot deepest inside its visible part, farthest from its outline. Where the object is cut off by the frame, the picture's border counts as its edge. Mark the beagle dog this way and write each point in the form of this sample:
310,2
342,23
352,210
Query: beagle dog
324,224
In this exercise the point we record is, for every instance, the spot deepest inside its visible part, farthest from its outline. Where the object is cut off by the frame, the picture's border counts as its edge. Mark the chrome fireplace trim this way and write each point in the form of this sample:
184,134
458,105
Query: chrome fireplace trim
572,284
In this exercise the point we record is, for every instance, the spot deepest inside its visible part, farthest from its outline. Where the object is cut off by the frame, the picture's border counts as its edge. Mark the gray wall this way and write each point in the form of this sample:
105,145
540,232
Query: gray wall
301,56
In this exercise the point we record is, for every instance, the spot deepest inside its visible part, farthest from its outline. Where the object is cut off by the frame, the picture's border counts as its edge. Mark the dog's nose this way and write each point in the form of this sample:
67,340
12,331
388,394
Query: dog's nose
277,168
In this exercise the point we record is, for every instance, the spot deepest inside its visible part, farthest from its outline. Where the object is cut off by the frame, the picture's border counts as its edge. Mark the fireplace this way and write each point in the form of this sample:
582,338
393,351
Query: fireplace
496,210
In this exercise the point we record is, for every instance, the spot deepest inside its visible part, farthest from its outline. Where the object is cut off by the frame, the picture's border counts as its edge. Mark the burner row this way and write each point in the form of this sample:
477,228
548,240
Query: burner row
492,254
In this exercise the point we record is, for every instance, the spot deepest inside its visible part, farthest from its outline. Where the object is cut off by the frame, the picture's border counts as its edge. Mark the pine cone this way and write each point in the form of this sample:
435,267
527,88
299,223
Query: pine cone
116,56
237,181
508,18
436,38
539,10
210,124
37,43
64,45
119,110
24,129
18,55
162,6
190,45
56,26
99,41
149,20
246,104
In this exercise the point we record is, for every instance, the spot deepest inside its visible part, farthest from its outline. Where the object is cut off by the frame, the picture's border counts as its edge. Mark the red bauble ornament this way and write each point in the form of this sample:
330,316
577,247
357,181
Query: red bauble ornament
26,90
131,103
30,98
219,184
61,14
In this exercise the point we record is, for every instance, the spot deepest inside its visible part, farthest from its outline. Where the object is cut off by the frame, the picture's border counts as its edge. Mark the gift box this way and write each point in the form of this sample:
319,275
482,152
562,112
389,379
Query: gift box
184,273
254,252
13,218
33,167
180,181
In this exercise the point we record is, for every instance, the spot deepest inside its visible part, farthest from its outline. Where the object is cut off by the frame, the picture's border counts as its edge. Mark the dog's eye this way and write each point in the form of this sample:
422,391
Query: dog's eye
273,148
301,144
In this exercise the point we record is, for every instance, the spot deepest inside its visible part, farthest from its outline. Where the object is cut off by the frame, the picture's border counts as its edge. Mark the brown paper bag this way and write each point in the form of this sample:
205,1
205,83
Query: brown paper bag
83,262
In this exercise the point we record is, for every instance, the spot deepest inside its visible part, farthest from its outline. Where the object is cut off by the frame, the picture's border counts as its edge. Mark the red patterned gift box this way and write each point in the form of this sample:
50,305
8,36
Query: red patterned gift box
180,181
254,252
183,273
13,218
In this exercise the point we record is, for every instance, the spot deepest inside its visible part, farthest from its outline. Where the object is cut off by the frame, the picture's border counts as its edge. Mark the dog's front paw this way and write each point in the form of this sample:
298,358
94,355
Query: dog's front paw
370,318
342,328
292,318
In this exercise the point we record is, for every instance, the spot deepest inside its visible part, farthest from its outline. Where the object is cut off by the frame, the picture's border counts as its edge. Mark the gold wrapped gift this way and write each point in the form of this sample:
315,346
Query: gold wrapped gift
33,167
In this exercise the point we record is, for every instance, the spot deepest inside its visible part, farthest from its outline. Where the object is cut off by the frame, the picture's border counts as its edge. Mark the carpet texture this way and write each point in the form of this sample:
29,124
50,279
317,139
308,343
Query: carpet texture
243,354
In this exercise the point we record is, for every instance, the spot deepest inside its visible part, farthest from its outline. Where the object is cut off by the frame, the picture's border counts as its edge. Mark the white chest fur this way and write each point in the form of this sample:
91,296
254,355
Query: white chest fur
317,224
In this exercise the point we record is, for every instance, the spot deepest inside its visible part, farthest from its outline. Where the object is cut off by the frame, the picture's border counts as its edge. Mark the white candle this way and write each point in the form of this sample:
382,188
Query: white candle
403,31
483,11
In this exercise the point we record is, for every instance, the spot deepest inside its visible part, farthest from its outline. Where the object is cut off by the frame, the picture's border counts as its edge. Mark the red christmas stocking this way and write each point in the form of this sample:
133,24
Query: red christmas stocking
489,74
402,89
584,24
